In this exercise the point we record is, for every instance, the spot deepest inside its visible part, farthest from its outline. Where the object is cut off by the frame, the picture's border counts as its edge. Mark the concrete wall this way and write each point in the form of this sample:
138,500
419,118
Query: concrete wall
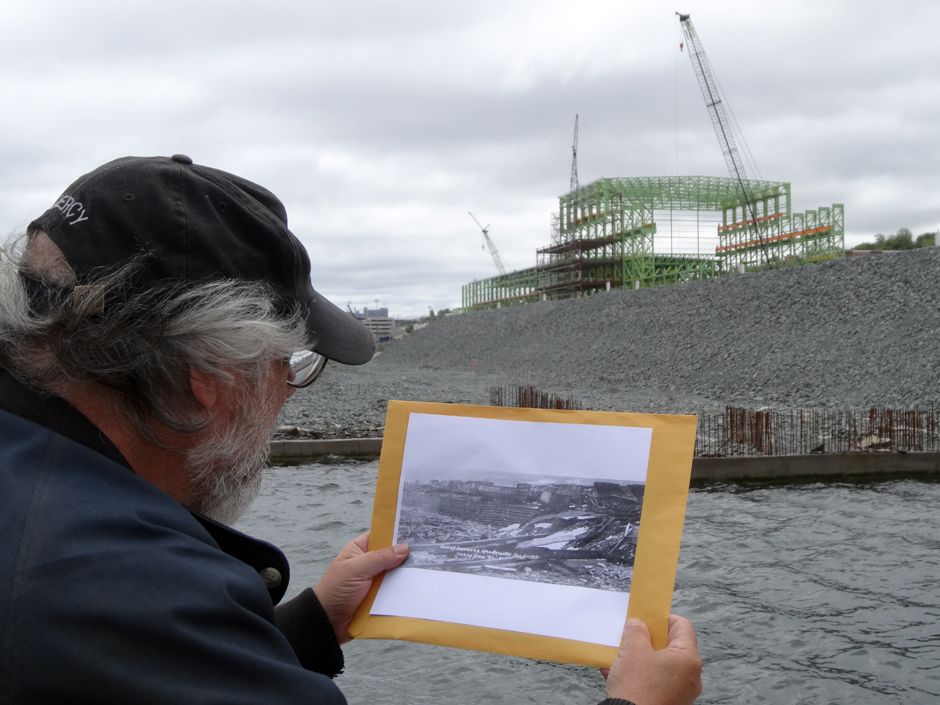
821,465
301,450
758,468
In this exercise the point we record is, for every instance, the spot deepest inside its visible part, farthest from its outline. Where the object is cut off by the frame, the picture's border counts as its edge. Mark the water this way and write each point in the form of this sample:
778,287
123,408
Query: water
821,593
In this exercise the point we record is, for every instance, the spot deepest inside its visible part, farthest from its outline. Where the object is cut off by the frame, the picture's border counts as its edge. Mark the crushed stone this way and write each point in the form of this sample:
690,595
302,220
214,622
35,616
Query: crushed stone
850,333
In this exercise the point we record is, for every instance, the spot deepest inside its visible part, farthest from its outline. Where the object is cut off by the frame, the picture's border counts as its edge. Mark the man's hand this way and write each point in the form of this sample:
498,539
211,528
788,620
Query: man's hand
646,677
346,581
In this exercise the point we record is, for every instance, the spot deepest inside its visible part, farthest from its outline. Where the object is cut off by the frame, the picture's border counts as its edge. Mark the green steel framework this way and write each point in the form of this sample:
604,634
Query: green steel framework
605,230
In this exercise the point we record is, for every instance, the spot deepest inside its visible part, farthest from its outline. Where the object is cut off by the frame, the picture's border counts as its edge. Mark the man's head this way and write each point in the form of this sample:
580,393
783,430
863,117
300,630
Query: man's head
185,222
178,291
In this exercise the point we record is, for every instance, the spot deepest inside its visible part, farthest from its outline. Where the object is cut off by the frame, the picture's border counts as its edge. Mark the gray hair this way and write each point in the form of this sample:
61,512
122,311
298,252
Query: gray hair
139,344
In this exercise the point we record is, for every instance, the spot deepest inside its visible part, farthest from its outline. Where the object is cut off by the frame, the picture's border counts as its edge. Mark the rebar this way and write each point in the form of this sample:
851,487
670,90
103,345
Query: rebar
738,431
530,397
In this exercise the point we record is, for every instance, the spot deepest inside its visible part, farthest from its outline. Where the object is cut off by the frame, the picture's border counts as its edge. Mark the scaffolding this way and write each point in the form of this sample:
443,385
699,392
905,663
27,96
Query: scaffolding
516,287
789,238
637,232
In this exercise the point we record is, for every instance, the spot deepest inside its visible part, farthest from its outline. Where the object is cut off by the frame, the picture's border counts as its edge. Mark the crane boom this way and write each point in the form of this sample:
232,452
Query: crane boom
723,130
490,245
573,184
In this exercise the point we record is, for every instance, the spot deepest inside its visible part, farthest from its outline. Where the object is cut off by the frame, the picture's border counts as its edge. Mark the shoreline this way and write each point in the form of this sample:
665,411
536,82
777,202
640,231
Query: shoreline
864,466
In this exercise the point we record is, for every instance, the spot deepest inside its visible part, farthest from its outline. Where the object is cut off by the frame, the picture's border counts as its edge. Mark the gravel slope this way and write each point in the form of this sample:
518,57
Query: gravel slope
850,333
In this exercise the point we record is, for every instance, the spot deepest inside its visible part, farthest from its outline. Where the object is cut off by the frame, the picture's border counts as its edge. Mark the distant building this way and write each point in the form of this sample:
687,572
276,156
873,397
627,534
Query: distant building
382,329
378,322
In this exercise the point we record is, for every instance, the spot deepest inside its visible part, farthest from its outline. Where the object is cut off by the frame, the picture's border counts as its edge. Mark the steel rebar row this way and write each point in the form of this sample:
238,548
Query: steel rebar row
738,431
529,397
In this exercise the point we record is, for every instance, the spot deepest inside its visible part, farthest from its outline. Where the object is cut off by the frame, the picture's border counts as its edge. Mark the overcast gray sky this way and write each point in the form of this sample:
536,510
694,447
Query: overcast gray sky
379,124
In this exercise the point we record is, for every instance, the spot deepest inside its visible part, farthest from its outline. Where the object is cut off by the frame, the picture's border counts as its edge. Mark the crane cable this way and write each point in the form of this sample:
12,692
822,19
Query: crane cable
725,144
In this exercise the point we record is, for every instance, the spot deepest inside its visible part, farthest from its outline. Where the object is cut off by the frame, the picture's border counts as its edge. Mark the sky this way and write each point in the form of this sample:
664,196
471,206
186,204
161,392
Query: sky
380,124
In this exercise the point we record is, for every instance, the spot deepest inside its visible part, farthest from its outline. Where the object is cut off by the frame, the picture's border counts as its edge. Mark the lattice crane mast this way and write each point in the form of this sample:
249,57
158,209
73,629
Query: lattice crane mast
573,184
490,245
723,129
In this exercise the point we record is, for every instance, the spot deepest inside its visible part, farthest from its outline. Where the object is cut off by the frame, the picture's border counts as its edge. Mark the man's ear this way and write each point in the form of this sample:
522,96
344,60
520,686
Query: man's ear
205,388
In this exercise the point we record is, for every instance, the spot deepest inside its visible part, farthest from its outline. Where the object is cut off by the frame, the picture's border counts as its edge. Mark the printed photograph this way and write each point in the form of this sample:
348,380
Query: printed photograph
561,530
508,513
555,503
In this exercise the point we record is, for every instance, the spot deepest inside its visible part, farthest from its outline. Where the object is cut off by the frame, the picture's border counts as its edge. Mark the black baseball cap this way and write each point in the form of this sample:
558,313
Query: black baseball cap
187,222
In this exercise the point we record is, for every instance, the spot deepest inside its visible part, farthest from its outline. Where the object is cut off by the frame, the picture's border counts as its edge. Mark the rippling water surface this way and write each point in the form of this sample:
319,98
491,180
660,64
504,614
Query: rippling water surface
820,593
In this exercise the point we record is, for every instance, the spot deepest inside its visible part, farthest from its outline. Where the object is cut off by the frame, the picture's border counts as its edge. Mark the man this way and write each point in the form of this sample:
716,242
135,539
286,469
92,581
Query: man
152,324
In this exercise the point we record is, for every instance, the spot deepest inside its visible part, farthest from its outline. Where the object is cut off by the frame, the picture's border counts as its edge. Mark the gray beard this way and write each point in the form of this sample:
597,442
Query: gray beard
225,469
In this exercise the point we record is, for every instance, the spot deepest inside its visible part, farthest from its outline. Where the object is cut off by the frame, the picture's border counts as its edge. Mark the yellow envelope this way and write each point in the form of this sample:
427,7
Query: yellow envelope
444,442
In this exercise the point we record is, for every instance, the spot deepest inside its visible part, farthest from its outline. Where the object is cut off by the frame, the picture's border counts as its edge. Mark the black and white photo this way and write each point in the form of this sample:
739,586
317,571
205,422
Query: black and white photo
566,531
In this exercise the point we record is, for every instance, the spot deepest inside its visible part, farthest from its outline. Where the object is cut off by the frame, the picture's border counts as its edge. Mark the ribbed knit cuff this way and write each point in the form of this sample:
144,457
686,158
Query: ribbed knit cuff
616,701
305,624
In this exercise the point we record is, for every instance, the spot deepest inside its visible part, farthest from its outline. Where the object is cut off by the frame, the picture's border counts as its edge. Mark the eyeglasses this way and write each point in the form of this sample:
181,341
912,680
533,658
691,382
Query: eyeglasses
305,367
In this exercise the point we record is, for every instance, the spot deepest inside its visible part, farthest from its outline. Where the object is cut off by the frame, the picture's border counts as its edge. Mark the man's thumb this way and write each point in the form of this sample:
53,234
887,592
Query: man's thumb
636,638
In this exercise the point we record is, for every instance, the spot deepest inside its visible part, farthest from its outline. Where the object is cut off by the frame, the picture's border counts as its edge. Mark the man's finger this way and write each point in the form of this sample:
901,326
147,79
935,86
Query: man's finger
361,542
681,634
374,562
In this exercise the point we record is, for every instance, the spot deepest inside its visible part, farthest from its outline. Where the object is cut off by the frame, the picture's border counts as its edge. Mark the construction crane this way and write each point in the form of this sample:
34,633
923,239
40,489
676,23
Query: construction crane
490,245
723,128
573,185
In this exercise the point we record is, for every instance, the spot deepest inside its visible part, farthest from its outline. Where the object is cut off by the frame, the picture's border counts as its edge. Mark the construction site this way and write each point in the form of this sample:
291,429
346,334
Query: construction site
558,532
636,232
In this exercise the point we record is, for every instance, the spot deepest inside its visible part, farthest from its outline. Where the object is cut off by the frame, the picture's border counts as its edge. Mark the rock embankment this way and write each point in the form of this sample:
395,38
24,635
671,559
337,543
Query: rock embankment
853,333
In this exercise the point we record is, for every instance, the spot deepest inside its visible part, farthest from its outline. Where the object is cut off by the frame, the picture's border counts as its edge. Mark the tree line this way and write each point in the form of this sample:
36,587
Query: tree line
902,240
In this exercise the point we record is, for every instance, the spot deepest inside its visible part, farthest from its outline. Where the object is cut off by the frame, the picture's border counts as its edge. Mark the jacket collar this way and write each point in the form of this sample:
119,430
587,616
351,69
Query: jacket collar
55,413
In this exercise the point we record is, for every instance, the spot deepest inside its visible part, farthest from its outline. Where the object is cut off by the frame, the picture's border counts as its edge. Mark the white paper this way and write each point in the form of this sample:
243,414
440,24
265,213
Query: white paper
504,455
582,614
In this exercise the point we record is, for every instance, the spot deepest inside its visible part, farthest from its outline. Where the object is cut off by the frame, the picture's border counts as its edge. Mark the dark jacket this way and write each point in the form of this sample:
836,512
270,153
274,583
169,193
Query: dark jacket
112,592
